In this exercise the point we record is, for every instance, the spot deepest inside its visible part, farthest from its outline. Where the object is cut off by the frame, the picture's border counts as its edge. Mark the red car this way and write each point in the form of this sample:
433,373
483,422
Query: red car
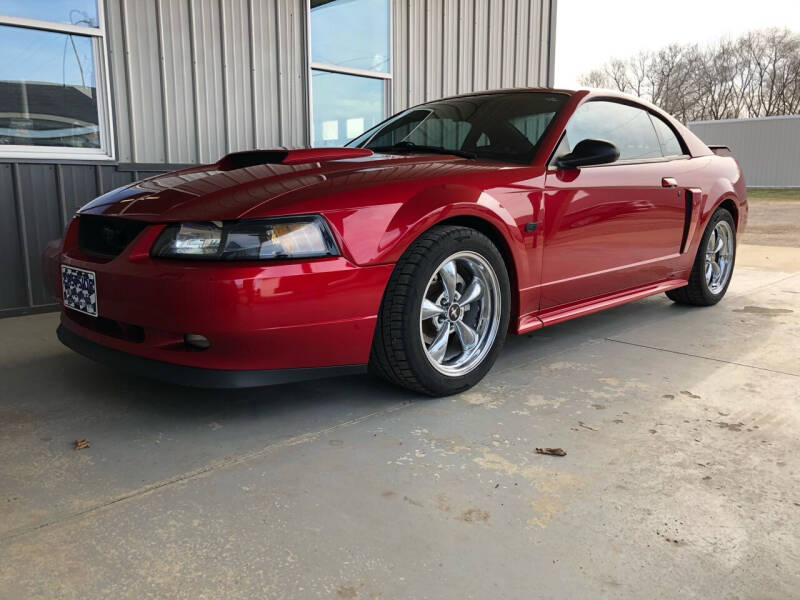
412,251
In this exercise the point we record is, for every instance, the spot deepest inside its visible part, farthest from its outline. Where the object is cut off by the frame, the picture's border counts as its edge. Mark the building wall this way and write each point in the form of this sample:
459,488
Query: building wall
232,74
195,79
768,148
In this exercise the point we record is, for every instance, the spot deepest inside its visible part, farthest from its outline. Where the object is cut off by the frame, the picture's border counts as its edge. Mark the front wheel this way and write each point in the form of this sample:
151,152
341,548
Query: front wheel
445,313
713,264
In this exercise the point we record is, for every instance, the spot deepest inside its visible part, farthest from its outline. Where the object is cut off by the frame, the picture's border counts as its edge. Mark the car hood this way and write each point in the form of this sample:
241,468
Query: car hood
235,187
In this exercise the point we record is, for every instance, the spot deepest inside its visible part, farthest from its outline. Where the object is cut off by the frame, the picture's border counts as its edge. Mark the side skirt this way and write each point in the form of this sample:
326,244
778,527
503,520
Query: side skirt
551,316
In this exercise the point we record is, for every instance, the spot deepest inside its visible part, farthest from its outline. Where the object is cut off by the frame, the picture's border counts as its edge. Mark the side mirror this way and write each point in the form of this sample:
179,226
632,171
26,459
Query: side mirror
588,152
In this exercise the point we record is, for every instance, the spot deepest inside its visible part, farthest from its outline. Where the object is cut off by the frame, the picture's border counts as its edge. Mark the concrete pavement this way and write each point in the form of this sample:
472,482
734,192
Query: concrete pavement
681,480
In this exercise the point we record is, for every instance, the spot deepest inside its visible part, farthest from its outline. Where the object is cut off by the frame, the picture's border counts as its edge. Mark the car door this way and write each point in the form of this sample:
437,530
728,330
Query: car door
610,227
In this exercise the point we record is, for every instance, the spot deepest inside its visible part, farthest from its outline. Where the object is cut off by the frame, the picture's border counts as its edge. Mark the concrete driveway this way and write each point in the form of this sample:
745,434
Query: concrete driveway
681,479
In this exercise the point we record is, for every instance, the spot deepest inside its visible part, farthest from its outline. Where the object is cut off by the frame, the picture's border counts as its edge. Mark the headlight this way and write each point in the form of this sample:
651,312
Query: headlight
257,239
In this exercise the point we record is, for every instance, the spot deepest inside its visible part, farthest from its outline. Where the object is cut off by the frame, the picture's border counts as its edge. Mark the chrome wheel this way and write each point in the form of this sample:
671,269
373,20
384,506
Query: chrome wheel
460,313
719,257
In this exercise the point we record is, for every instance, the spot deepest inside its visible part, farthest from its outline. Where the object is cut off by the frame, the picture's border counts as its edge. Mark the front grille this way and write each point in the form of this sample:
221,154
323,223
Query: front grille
107,236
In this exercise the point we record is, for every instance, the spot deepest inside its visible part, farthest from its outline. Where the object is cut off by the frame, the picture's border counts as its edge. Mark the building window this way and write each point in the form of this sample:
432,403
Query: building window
350,68
53,85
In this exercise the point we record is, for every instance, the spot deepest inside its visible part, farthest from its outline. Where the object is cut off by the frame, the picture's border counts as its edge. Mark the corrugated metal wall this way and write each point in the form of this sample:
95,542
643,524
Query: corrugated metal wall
768,149
233,73
195,79
446,47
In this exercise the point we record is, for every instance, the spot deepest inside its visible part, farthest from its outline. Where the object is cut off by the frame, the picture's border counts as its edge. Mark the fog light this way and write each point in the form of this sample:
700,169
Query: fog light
195,341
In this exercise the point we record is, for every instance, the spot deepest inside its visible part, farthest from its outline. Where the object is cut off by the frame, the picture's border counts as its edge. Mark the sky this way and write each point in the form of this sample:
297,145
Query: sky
590,32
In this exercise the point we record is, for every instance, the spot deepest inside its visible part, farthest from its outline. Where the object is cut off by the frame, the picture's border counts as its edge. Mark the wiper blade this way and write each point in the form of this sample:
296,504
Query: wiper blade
422,148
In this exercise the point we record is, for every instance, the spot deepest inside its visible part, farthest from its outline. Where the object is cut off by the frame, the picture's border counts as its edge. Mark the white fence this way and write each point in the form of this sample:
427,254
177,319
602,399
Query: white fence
767,148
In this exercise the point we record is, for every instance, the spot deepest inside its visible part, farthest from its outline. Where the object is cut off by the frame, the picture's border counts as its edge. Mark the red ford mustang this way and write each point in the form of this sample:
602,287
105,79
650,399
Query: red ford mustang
413,251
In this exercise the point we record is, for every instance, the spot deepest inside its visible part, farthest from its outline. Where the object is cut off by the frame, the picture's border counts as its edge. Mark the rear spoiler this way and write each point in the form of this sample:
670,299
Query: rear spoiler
720,150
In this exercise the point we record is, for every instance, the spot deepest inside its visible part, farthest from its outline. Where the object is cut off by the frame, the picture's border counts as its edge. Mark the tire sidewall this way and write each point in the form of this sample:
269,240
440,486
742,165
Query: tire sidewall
429,377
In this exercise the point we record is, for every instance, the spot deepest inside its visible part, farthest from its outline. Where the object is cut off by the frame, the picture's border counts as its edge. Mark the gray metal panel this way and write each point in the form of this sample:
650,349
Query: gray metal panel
115,42
768,149
78,186
291,42
42,217
444,47
207,49
12,289
236,69
176,68
144,71
266,103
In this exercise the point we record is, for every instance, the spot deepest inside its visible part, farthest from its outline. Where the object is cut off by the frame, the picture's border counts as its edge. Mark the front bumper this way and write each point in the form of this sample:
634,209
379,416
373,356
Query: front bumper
280,315
194,376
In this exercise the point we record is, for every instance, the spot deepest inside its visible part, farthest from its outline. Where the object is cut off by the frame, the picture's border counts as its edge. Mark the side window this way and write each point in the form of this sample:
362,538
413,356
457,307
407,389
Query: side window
670,146
627,127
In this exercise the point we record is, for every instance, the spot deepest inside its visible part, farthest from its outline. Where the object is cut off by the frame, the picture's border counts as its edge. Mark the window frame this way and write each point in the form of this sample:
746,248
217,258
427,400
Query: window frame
312,66
107,149
631,161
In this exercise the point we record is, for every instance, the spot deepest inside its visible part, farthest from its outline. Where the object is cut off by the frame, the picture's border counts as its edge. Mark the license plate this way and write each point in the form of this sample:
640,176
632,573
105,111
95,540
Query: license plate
80,290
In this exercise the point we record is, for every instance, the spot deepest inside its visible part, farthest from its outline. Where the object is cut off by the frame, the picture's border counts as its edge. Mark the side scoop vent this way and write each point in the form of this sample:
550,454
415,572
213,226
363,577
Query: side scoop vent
251,158
720,150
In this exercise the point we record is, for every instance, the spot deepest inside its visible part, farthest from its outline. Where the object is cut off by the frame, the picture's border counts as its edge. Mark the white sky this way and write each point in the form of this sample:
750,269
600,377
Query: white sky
589,32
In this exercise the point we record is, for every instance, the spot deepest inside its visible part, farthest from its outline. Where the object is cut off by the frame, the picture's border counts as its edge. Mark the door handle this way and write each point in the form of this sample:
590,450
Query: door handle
669,182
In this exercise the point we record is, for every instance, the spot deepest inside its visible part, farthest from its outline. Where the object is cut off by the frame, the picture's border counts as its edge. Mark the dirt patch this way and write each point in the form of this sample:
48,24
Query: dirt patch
775,220
763,310
474,515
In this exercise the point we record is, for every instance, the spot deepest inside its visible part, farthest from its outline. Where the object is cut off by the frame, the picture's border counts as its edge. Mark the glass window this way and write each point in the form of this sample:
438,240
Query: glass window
351,33
670,146
48,93
625,126
504,127
344,106
73,12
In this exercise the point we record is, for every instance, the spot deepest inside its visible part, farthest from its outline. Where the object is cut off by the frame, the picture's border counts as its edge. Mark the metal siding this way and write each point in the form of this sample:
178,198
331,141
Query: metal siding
266,103
144,91
231,74
236,74
42,220
115,42
466,39
433,53
207,48
417,49
400,55
78,185
768,149
291,41
521,34
12,290
179,101
533,42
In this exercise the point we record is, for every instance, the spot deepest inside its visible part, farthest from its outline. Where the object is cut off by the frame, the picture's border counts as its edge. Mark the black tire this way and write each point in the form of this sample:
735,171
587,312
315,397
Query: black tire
398,354
697,292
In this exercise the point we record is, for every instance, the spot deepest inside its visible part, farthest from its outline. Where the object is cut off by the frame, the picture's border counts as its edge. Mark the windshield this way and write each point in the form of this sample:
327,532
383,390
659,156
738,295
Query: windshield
504,127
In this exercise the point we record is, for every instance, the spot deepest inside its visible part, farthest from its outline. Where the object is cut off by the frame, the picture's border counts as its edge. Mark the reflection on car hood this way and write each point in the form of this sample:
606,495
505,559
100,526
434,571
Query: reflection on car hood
209,193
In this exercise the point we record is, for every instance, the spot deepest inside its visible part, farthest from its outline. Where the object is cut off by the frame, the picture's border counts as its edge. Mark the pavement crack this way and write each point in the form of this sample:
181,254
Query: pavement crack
719,360
207,469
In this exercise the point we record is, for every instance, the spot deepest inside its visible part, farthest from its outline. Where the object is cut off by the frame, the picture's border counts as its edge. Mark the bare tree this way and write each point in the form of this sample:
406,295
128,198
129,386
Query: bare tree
756,75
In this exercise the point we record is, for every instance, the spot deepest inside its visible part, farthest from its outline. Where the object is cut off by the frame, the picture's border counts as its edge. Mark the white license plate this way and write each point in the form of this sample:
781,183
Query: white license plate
79,290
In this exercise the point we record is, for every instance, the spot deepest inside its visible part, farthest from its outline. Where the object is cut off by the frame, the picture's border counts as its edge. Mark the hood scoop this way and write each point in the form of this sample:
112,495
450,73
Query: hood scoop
251,158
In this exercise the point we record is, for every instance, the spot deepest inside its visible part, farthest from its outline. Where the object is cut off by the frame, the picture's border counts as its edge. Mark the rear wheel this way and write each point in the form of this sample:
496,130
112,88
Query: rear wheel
445,313
713,265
